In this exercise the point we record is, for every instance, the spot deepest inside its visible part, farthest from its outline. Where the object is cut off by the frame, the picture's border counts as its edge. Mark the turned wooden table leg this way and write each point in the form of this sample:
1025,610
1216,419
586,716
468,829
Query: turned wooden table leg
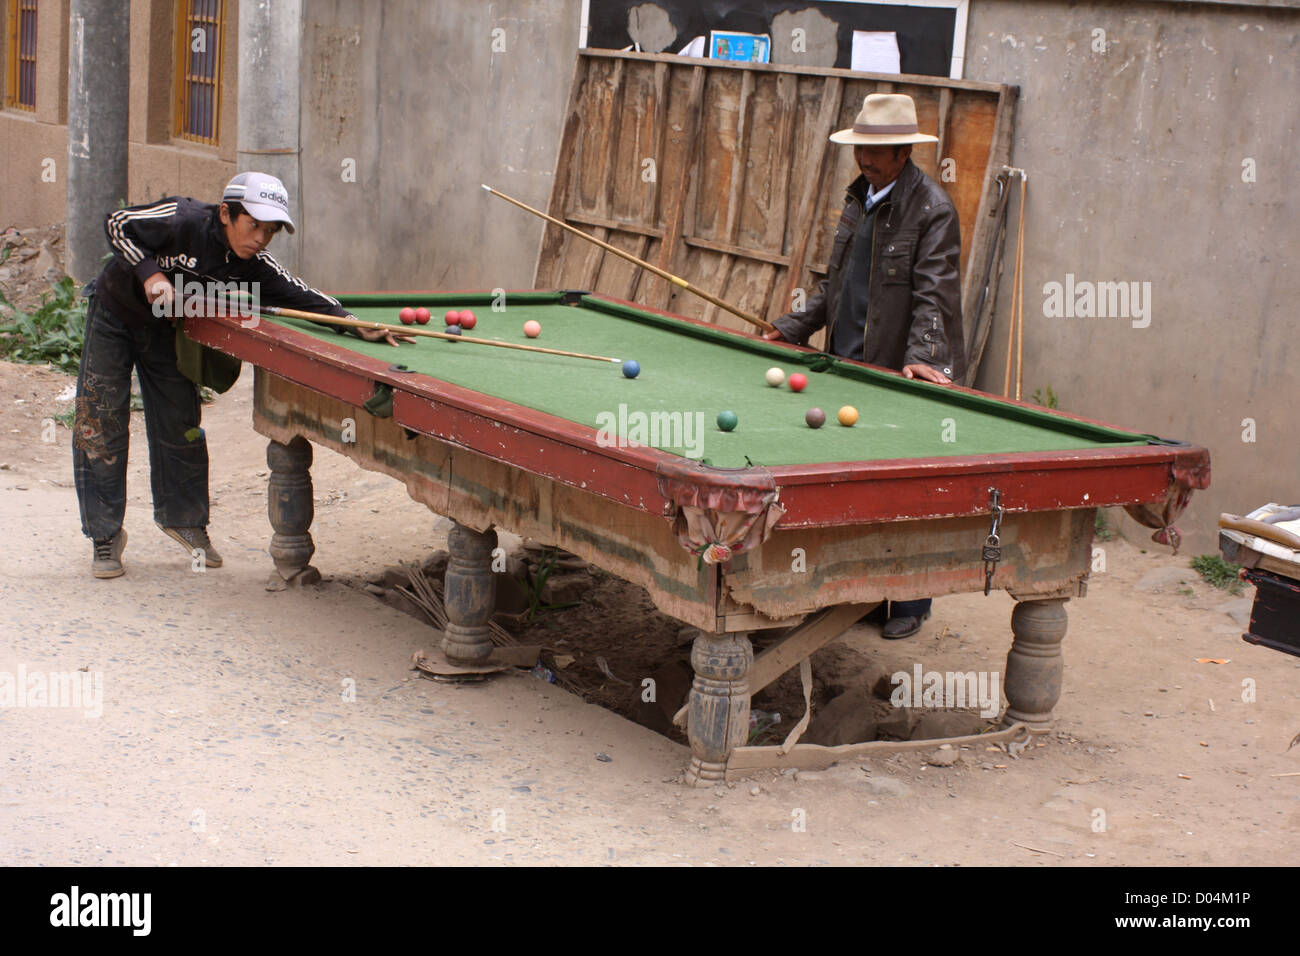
290,507
719,705
1035,665
470,595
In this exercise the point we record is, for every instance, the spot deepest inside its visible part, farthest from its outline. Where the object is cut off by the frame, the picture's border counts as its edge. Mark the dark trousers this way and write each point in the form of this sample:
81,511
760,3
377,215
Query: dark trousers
178,451
910,608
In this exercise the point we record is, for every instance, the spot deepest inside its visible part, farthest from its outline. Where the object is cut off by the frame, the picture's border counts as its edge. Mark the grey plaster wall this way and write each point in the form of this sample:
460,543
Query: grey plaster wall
423,102
1135,158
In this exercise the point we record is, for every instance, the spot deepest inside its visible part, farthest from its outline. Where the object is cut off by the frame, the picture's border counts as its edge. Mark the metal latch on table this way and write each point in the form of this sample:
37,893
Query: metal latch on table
992,552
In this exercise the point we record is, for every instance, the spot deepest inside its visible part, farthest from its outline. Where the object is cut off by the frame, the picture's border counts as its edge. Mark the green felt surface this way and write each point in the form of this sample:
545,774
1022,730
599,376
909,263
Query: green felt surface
688,375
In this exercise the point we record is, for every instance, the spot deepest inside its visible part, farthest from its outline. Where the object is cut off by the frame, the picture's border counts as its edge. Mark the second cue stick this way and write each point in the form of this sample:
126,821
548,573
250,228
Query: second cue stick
429,333
675,280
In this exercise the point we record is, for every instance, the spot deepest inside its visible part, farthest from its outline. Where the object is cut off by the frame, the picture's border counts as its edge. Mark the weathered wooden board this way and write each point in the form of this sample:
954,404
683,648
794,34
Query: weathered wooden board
722,174
795,571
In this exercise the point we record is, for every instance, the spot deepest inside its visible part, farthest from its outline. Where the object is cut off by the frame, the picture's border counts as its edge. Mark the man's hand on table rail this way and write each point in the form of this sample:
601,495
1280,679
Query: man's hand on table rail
926,374
383,335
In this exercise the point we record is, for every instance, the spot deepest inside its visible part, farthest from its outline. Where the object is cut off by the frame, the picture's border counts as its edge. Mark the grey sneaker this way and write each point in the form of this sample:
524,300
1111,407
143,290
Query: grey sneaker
193,538
108,556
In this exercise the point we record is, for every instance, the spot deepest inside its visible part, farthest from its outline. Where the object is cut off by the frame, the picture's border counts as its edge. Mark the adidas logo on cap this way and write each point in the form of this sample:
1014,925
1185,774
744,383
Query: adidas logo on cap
262,195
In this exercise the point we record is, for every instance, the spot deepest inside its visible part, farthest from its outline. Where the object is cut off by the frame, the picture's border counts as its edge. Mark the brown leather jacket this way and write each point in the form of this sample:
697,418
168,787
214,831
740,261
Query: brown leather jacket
914,306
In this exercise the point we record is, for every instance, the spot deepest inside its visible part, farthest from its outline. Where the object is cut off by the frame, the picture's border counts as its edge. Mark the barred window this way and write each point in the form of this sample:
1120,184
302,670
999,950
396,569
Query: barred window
200,28
21,85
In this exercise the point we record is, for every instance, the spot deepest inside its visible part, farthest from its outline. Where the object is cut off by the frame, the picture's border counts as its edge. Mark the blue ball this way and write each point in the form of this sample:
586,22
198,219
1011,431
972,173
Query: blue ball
631,369
452,330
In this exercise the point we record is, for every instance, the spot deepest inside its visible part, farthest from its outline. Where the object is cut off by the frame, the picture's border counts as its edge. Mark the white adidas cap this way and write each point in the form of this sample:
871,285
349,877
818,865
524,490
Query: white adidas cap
263,197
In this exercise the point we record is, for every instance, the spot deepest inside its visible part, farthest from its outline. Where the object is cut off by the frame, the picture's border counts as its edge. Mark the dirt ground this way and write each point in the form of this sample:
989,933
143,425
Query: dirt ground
35,260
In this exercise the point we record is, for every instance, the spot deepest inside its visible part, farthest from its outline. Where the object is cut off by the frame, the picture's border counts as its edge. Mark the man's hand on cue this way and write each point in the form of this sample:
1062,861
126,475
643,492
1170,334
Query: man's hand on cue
774,336
160,294
927,374
383,335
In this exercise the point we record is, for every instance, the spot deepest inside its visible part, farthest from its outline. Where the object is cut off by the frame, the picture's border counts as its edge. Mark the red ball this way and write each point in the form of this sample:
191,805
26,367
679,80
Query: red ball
422,315
452,317
798,382
467,320
407,316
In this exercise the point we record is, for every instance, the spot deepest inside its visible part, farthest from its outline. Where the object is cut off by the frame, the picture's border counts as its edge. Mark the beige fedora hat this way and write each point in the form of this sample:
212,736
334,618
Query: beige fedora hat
886,119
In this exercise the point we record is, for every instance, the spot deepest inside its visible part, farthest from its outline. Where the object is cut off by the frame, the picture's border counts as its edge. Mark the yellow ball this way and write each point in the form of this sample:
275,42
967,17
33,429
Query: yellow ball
848,415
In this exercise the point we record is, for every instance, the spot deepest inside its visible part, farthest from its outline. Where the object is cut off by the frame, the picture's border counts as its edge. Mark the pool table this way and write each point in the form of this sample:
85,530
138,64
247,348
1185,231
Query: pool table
936,490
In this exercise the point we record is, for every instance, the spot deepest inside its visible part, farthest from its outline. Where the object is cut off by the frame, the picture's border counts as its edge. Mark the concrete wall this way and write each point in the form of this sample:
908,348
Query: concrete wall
1135,173
158,165
34,144
416,96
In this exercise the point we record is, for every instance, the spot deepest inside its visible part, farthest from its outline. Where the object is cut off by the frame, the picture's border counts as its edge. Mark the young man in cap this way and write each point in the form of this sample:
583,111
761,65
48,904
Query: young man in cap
128,323
892,294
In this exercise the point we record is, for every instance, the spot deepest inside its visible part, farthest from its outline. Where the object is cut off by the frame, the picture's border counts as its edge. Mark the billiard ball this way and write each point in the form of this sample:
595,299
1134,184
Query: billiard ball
727,421
407,315
775,377
631,368
468,320
422,315
452,330
847,416
452,317
815,417
532,328
798,382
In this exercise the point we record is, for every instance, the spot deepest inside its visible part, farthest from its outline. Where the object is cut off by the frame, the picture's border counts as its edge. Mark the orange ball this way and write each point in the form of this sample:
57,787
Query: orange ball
848,415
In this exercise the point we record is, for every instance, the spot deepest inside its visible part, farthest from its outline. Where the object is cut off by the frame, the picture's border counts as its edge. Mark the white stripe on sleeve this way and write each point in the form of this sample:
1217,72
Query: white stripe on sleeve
294,280
117,231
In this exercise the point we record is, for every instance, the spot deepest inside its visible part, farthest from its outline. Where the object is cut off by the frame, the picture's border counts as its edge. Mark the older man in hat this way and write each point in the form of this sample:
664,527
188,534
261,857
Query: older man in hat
892,295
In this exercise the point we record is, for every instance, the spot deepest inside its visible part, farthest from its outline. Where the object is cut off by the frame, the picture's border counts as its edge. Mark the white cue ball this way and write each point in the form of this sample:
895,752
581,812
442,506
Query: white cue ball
775,377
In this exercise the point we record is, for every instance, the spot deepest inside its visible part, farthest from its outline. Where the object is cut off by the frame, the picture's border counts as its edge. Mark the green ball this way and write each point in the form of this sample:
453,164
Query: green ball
727,420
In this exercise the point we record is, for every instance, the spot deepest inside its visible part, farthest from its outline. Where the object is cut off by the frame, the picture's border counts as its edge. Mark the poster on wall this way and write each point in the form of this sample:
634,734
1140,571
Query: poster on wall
746,47
875,52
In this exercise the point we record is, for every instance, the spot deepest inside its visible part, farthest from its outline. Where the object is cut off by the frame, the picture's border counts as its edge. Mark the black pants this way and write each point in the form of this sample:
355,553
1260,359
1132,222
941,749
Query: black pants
178,450
910,608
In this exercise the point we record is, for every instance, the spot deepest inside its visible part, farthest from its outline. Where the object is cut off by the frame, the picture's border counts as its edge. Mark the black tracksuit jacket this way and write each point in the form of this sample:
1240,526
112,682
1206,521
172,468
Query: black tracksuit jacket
180,235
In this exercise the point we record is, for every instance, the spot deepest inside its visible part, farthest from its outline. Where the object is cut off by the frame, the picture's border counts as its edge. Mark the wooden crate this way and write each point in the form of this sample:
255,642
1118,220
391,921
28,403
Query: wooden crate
722,173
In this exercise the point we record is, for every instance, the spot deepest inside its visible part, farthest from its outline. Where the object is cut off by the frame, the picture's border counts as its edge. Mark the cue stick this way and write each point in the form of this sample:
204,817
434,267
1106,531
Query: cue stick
675,280
1016,330
1260,529
407,330
1020,308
